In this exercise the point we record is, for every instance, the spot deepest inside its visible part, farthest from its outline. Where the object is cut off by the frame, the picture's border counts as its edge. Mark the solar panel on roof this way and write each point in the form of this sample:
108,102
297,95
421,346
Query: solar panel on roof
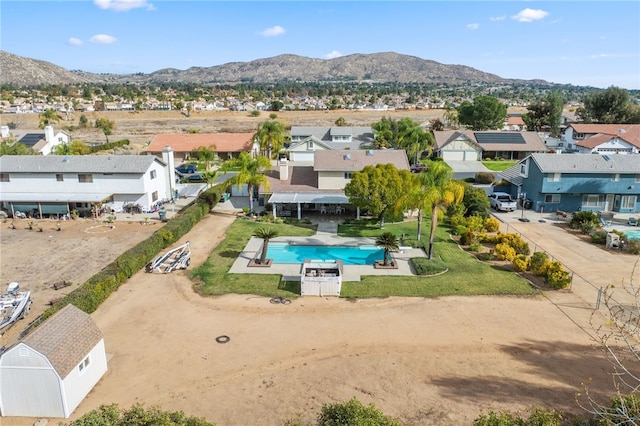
30,139
500,137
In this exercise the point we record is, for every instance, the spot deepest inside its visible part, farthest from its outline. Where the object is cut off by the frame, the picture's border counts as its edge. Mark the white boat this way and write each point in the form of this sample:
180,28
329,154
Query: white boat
14,304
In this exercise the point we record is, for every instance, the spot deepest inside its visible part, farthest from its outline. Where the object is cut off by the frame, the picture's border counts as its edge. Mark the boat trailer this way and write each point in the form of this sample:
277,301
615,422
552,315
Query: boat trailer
178,258
14,305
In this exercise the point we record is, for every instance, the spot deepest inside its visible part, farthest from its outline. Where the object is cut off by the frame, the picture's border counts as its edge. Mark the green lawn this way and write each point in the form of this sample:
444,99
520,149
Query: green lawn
466,275
499,165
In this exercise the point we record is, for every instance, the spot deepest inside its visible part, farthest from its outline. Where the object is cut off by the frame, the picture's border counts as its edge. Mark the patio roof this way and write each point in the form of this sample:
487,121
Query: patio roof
307,197
53,197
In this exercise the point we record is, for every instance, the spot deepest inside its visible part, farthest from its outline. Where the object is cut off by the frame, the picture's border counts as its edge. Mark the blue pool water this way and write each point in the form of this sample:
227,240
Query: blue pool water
361,255
633,235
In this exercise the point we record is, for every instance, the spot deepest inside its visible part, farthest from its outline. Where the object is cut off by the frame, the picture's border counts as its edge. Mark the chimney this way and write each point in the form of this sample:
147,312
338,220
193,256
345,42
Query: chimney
167,157
48,133
284,170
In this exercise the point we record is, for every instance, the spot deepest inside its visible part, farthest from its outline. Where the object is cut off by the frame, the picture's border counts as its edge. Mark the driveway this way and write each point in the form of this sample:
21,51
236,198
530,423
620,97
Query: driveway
465,169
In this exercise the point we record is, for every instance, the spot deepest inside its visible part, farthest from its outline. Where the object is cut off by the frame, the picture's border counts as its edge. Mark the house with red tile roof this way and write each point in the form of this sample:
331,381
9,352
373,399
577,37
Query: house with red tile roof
603,138
226,145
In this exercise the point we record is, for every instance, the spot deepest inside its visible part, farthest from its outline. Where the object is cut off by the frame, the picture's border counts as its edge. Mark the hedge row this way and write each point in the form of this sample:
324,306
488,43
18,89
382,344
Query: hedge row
106,146
100,286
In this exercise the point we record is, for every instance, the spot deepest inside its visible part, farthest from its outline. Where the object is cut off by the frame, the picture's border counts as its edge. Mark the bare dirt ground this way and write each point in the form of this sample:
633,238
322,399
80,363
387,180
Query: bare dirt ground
425,361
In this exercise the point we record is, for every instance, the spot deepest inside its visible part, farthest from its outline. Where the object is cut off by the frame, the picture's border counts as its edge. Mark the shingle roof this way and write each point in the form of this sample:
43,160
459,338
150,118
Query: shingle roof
65,338
587,163
77,163
361,137
356,160
532,141
223,142
599,139
301,179
628,132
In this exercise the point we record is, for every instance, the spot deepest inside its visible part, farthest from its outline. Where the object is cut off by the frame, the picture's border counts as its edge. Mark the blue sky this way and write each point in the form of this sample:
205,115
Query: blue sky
594,43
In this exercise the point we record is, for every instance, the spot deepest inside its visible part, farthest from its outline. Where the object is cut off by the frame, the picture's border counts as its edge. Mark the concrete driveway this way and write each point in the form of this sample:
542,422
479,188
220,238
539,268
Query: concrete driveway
466,169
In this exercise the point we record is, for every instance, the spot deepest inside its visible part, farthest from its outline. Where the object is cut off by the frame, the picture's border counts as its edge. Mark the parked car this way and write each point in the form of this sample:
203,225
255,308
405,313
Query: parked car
419,168
501,201
195,177
187,168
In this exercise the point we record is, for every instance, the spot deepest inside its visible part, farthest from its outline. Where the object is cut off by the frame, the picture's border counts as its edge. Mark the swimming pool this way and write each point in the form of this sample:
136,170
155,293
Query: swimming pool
360,255
633,235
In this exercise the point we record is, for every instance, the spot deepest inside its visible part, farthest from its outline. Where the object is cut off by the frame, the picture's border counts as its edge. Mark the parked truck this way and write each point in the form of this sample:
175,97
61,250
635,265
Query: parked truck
501,201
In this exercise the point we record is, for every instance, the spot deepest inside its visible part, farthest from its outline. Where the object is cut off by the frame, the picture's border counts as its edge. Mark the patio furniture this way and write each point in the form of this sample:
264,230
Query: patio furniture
633,221
323,210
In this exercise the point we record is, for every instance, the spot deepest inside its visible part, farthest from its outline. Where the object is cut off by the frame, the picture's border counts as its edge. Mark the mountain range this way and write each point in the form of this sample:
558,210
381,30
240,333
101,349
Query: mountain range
376,67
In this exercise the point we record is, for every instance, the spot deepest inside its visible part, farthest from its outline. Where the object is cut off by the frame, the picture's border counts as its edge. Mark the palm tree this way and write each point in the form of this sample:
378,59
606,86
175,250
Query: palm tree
413,138
440,193
266,234
388,242
270,137
48,117
415,198
250,172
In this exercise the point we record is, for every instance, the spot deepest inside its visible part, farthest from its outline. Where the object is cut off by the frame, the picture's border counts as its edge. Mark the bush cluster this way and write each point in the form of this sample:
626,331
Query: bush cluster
484,178
107,146
424,266
550,270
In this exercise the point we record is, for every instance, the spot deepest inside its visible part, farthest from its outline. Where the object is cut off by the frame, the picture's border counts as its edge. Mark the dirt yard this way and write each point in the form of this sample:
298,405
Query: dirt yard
425,361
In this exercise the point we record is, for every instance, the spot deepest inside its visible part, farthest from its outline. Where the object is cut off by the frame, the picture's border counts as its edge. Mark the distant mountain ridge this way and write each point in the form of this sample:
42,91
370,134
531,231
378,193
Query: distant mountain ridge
375,67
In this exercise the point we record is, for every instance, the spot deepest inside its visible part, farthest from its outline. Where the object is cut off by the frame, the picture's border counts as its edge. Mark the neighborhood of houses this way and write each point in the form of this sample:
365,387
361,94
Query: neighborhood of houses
592,167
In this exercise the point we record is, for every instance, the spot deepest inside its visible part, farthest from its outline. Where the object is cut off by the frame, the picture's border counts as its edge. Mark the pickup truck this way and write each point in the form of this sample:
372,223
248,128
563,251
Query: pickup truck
501,201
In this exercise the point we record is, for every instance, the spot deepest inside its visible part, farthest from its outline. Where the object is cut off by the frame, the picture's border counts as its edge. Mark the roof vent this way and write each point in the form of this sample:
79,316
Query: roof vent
347,156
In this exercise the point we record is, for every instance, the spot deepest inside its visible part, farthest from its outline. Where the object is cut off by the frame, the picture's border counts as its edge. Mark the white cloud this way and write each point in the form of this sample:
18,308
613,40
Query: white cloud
273,31
473,26
102,39
123,5
333,54
498,18
530,15
74,41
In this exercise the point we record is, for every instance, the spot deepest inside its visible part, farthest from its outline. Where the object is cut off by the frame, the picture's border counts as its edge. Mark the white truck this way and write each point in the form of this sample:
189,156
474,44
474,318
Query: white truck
501,201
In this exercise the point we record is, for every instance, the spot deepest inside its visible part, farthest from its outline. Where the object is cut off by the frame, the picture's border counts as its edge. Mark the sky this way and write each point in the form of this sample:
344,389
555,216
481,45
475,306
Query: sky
584,43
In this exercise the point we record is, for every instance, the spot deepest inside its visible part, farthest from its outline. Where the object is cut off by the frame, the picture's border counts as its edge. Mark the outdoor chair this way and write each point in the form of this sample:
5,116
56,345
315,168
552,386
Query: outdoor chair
604,223
633,221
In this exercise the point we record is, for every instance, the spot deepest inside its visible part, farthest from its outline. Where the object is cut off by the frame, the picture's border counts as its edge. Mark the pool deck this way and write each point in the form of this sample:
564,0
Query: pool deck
326,235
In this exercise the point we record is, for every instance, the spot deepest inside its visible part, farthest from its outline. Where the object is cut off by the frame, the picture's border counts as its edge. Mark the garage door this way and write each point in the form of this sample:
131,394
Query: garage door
453,155
301,156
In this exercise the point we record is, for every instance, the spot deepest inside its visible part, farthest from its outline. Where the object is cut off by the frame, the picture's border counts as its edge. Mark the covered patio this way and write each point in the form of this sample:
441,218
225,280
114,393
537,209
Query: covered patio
299,204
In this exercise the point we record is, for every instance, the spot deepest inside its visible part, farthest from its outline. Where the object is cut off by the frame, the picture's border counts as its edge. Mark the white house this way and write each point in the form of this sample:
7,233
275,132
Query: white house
602,138
305,141
51,370
56,184
41,141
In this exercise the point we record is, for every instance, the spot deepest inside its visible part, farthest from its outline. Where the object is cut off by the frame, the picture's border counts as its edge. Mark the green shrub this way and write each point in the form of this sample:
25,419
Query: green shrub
555,275
520,263
484,178
537,417
537,263
468,237
424,266
628,404
516,242
411,242
578,218
475,247
456,219
503,418
353,413
633,246
137,415
588,227
475,223
491,224
505,252
460,230
599,236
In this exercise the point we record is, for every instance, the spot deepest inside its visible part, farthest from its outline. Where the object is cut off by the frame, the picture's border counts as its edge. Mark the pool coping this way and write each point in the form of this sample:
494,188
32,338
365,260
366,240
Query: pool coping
293,271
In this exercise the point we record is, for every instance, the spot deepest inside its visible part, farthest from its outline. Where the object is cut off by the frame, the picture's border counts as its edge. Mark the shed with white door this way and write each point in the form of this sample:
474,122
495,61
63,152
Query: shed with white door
51,370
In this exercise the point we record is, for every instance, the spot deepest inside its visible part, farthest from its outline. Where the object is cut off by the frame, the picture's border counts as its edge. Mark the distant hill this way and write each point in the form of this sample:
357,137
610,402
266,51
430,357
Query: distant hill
376,67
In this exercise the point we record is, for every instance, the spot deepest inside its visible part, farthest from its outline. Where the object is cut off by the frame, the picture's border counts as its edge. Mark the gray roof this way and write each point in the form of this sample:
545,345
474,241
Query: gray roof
356,160
77,163
361,137
493,140
65,338
587,163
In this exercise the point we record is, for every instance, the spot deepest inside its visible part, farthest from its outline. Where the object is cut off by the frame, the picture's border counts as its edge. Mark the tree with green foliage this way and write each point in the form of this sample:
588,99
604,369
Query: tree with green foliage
250,172
84,121
265,234
388,242
106,125
72,148
137,415
377,189
413,139
276,105
341,122
545,112
475,202
415,197
441,192
205,154
384,131
354,413
10,146
611,106
48,117
485,113
270,137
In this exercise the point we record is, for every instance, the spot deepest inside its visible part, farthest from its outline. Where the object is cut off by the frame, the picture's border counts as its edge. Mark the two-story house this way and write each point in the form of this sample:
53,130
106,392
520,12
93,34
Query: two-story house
294,190
305,141
42,141
602,138
56,185
572,182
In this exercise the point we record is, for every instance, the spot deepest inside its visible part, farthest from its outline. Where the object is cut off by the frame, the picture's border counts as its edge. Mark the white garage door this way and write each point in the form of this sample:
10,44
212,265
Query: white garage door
453,155
301,156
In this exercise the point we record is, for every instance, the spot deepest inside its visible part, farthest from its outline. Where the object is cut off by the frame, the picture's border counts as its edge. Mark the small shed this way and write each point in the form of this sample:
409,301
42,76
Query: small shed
51,370
320,278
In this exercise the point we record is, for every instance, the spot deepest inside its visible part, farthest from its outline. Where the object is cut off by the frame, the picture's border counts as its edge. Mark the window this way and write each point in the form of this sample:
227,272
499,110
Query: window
153,174
592,200
552,198
154,196
554,177
85,178
637,178
524,169
4,177
348,175
84,364
628,202
310,145
615,177
59,177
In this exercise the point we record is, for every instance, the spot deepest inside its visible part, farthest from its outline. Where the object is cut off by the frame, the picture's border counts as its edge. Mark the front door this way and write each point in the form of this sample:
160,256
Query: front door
608,205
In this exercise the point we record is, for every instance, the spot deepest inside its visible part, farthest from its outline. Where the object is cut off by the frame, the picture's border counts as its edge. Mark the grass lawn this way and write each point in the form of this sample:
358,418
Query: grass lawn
466,275
499,165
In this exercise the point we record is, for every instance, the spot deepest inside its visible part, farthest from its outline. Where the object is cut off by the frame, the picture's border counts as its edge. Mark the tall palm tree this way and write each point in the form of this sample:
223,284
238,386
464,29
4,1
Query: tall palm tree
250,172
440,193
413,138
48,117
388,242
266,234
270,137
